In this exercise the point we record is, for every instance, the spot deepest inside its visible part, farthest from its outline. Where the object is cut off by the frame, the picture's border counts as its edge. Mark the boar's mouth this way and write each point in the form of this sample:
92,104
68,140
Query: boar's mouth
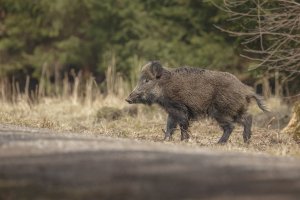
129,101
133,98
139,98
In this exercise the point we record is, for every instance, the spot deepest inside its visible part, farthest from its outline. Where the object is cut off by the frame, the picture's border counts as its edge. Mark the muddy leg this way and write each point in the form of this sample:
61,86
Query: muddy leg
246,121
227,130
184,125
180,117
226,123
171,126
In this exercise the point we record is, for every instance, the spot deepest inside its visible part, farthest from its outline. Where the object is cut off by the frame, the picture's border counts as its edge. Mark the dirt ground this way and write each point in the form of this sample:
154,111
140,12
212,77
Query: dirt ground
43,164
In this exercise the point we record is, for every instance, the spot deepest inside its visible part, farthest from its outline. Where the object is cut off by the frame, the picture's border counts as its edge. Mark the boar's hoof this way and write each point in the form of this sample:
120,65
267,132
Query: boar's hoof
246,141
167,138
185,137
222,141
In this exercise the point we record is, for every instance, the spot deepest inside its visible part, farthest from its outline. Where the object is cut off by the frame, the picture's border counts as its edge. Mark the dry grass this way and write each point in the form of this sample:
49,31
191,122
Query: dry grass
80,107
65,115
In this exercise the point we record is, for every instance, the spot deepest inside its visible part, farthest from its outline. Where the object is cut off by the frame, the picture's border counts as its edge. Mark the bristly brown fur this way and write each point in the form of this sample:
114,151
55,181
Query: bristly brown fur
187,69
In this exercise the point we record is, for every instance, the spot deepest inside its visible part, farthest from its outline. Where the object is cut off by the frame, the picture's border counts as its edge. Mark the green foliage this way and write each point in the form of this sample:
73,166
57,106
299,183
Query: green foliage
86,33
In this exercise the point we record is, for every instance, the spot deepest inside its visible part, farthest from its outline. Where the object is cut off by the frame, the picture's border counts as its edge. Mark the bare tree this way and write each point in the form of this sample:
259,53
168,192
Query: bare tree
271,35
274,25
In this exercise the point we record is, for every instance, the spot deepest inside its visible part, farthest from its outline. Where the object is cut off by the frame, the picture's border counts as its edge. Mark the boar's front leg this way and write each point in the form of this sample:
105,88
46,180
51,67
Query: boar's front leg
171,126
183,121
177,115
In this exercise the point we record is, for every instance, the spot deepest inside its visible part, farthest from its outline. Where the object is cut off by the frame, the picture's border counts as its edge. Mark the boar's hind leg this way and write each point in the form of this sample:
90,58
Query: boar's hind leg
227,130
171,126
184,125
246,121
227,127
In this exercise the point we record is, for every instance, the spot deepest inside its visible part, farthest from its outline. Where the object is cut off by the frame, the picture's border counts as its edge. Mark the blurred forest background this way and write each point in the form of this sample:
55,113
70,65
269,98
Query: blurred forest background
80,48
59,38
53,38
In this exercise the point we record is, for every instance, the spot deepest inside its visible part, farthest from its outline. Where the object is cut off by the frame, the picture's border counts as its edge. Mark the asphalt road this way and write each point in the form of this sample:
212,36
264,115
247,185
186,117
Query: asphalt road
40,164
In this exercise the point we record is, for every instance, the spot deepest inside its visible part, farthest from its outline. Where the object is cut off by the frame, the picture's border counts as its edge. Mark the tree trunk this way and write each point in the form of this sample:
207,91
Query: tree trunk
278,86
57,79
293,126
266,86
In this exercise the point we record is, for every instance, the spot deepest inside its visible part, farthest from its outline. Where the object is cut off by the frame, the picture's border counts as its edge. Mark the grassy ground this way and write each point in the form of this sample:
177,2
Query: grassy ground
63,115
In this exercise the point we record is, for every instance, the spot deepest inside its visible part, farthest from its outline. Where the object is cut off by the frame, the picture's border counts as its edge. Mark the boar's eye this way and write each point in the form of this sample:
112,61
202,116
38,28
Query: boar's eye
146,80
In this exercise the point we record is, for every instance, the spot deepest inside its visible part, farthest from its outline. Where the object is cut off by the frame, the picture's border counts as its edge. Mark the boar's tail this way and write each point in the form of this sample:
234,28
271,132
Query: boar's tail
260,102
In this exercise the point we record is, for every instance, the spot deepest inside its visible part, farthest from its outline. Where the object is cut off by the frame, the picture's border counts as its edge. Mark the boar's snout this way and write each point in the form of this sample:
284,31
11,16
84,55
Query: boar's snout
129,100
133,98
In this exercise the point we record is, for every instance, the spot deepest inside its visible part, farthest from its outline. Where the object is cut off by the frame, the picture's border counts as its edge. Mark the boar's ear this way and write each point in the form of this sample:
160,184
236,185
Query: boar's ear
156,69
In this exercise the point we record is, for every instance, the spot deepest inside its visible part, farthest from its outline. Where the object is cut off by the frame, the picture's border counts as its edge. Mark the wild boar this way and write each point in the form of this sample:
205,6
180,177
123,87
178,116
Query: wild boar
189,93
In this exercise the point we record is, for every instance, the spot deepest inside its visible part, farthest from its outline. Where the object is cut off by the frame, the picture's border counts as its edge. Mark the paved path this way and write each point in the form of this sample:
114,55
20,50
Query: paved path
40,164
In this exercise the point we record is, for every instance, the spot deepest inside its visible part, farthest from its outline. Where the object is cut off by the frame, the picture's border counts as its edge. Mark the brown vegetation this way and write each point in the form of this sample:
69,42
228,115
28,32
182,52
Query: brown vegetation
109,115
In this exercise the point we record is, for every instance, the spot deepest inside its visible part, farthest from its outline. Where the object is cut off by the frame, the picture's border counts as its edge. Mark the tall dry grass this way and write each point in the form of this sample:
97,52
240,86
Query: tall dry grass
76,108
70,106
62,115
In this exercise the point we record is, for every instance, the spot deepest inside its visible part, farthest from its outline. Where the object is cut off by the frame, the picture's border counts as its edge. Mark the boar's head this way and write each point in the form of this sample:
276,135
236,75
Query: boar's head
148,89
